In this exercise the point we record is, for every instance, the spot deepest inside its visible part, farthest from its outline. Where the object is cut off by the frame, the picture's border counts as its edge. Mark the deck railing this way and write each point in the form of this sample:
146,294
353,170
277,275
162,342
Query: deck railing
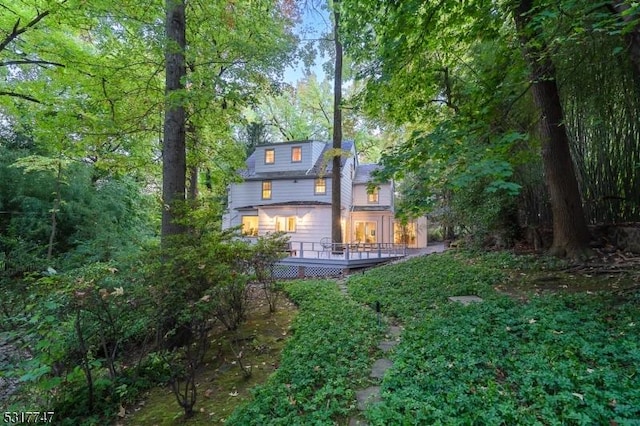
345,251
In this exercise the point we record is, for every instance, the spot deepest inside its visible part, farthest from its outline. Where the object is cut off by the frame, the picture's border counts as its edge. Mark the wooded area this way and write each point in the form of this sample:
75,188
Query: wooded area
121,125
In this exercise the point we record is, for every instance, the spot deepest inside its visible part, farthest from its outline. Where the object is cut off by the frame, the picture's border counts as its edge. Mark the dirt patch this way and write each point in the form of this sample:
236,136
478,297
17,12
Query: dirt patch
608,271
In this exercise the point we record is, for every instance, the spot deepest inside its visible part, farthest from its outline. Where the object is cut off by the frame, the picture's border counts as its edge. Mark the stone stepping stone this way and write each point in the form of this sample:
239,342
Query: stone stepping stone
380,367
386,345
466,300
395,331
370,395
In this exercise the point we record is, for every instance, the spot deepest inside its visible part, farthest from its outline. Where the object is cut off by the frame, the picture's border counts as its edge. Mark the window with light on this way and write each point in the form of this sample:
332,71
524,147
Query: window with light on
266,190
250,226
372,197
321,186
269,156
296,154
286,224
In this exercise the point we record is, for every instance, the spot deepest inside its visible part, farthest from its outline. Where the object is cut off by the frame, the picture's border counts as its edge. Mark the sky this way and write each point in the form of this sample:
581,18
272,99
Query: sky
314,23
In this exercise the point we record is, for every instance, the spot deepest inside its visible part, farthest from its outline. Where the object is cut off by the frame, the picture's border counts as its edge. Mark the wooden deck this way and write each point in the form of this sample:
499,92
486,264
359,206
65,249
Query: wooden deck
316,259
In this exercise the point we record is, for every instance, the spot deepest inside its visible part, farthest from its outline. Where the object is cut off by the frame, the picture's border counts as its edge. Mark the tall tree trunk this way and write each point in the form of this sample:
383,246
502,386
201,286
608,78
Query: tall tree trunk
336,199
570,232
174,145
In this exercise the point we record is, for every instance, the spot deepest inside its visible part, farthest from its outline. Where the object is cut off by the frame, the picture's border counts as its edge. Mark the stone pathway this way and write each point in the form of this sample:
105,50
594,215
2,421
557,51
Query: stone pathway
371,394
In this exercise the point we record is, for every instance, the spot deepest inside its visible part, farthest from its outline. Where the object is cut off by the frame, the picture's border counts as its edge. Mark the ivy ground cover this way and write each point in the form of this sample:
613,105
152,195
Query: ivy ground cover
327,357
561,358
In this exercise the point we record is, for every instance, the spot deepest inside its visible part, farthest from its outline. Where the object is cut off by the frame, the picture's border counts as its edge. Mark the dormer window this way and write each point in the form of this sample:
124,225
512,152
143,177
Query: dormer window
296,154
269,156
320,186
372,197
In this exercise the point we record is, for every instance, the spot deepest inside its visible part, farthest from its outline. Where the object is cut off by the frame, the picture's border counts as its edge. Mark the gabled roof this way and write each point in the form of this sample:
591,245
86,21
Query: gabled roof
249,173
363,173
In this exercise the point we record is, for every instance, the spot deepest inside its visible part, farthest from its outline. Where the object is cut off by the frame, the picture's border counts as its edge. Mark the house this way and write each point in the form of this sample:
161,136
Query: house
287,187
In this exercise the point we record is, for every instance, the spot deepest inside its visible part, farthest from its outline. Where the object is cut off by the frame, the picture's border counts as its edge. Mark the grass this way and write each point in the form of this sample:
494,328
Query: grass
548,358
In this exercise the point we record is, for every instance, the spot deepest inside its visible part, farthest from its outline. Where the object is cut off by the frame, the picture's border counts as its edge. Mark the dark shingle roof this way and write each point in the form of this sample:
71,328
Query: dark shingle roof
363,173
371,208
285,204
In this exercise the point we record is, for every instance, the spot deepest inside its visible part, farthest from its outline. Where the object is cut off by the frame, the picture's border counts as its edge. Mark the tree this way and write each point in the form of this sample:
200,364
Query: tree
174,162
570,233
336,172
420,63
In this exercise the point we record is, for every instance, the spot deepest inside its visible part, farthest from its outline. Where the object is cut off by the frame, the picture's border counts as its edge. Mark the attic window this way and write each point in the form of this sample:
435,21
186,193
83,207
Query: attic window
296,154
269,156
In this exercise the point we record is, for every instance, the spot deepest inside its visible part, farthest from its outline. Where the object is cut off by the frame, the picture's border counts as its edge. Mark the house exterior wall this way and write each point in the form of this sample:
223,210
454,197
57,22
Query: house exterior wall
282,157
346,193
360,196
249,193
312,221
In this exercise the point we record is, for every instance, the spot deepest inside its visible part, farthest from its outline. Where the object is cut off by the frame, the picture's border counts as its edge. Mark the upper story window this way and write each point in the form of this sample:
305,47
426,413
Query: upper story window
266,189
320,187
296,154
269,156
372,197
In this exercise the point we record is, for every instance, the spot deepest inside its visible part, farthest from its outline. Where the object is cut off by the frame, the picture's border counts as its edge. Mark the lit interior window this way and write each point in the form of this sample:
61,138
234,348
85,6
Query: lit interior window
269,156
286,224
321,186
250,226
296,154
266,190
372,197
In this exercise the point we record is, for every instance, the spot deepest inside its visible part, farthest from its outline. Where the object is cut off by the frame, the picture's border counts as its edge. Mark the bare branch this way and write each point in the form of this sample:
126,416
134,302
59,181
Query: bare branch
17,30
30,62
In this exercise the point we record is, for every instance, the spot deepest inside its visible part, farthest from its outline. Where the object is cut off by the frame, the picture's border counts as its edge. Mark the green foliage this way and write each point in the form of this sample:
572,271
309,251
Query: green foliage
556,359
416,289
327,356
266,251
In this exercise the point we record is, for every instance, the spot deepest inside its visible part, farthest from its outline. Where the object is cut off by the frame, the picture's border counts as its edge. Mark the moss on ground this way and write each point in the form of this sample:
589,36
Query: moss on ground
222,384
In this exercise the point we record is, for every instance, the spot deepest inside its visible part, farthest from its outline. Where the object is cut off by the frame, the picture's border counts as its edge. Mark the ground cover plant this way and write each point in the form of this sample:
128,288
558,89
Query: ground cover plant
326,359
567,357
